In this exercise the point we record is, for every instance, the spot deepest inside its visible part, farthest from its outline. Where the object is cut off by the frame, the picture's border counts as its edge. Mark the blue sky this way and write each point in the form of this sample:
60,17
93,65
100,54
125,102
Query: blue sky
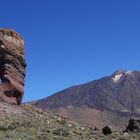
70,42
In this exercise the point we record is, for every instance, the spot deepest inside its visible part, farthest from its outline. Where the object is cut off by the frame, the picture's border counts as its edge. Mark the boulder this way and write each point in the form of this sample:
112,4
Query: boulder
106,130
133,125
12,66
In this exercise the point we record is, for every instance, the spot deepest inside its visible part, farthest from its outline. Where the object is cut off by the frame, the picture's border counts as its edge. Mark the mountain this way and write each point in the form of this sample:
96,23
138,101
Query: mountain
110,100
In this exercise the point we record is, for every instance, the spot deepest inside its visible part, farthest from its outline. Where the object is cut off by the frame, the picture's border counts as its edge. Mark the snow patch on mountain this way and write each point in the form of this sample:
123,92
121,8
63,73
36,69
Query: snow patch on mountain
117,77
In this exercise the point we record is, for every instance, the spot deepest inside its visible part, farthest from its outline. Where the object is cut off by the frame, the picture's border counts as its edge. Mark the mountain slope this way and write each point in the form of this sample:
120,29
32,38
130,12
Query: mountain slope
114,95
26,122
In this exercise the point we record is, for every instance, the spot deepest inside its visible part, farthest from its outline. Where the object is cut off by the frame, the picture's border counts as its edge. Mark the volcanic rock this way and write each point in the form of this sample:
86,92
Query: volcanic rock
134,125
12,66
106,130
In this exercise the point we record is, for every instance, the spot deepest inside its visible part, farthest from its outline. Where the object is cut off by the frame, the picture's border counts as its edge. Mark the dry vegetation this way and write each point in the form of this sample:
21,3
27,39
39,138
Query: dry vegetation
28,123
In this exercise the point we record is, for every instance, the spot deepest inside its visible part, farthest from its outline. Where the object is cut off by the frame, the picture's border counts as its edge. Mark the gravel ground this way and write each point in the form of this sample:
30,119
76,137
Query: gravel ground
26,122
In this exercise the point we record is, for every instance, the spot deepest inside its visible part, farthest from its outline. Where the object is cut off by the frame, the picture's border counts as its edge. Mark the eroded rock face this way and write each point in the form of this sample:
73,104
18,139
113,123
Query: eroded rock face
12,66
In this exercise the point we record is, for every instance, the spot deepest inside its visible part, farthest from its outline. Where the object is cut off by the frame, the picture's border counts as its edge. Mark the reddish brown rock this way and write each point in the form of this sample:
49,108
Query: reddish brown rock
12,66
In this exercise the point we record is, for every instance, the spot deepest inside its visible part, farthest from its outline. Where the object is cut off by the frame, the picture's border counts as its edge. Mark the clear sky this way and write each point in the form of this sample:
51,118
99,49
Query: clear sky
69,42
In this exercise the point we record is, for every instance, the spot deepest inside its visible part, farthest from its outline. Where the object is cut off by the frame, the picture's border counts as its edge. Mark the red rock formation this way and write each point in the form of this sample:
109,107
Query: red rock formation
12,66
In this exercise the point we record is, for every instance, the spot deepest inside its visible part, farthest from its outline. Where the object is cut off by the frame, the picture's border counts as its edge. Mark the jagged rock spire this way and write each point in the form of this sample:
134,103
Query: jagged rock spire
12,66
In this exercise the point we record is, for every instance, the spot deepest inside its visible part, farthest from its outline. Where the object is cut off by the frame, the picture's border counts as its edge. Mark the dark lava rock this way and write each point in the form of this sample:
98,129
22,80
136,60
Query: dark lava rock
106,130
96,128
134,125
12,66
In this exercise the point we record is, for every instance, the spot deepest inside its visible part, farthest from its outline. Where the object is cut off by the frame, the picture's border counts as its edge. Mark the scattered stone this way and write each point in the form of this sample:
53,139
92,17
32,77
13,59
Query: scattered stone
62,131
126,134
82,128
96,128
69,125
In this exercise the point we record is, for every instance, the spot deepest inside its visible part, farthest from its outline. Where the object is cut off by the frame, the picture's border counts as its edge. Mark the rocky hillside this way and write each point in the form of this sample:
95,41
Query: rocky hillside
104,101
26,122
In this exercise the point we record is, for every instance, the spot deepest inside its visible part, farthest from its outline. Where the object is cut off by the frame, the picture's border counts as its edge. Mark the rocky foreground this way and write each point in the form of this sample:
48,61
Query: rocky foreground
29,123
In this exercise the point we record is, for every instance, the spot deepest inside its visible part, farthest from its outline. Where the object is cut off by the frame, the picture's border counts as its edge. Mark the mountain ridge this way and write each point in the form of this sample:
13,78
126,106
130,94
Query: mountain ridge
118,94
